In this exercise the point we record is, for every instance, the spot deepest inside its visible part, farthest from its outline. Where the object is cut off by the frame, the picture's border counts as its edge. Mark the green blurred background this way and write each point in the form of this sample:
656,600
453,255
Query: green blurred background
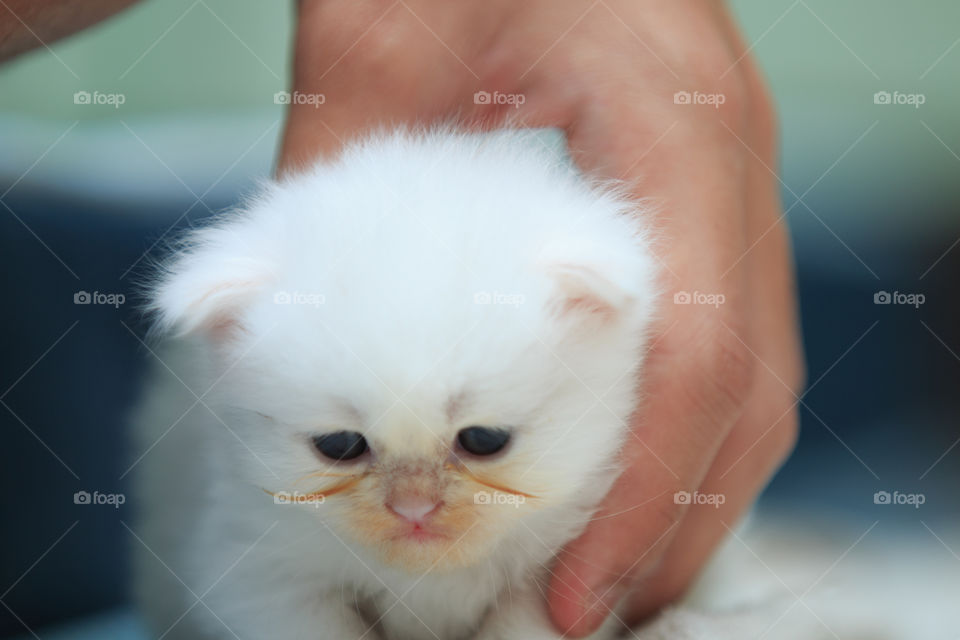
219,62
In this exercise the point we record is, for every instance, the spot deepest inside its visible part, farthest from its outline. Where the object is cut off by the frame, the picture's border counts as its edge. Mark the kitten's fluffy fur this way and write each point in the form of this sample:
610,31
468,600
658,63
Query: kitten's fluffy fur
418,284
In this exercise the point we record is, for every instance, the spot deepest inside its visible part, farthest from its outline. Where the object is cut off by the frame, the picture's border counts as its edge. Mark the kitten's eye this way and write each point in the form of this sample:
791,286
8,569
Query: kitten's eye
341,445
483,441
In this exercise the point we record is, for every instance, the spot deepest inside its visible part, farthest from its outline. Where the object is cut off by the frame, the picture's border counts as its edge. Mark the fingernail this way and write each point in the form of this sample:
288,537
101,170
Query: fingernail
598,604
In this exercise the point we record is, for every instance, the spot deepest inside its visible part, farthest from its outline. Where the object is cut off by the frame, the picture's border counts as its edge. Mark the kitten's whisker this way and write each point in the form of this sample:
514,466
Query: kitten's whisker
324,493
335,489
325,474
488,483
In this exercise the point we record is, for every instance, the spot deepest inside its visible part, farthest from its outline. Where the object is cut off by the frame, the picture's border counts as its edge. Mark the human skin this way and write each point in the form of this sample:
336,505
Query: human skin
27,24
718,412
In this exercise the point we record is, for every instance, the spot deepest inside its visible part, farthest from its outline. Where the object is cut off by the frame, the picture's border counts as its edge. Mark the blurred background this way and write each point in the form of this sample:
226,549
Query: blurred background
181,119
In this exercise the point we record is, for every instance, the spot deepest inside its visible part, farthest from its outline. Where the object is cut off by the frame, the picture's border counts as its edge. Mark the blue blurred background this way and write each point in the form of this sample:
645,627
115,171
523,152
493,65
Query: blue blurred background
872,192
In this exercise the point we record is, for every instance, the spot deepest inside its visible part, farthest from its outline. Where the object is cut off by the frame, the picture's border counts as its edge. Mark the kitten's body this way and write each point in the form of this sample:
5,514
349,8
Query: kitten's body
416,286
434,282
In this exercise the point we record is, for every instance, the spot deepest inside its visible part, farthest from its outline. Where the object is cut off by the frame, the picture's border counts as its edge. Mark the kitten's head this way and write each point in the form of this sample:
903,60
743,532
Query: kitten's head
430,365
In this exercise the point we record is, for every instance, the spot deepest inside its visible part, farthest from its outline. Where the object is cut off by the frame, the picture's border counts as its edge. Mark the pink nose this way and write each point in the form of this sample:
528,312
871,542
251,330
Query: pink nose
412,507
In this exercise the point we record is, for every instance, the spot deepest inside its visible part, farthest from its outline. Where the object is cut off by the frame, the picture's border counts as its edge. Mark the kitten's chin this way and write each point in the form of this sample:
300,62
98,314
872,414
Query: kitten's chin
416,534
421,551
427,553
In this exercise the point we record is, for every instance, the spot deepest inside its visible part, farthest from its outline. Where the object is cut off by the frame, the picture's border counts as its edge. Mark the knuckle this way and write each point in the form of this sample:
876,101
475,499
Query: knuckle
786,435
716,72
757,92
775,428
728,368
779,430
328,33
734,109
795,370
796,374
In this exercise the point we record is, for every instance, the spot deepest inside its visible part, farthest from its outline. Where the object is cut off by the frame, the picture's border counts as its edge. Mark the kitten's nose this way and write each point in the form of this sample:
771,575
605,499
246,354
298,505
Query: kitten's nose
414,508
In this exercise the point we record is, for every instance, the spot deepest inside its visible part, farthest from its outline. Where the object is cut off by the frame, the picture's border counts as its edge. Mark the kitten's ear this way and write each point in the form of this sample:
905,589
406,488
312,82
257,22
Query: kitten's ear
205,289
598,281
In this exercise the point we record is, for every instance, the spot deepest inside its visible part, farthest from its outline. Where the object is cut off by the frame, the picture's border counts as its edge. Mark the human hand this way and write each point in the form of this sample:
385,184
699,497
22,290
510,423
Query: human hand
27,24
718,414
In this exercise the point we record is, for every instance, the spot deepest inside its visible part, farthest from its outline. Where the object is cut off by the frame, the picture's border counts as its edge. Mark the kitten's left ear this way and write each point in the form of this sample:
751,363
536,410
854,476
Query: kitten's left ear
206,287
599,281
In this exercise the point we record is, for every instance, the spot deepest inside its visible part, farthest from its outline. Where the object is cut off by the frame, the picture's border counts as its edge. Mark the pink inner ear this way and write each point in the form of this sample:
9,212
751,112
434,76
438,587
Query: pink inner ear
199,301
221,329
217,309
586,305
583,289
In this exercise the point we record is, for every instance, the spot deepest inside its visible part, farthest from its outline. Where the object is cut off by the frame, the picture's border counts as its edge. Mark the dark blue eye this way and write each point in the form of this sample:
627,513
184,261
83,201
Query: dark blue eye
483,441
341,445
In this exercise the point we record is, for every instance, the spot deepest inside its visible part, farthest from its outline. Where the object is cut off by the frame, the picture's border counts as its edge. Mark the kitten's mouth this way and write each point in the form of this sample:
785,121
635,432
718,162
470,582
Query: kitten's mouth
418,533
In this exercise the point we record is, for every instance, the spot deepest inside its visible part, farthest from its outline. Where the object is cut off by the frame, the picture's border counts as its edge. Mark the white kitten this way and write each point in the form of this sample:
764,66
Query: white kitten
458,317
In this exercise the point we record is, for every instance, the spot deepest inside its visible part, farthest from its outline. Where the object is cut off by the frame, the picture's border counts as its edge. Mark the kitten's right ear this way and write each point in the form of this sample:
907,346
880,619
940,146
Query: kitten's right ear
598,280
206,287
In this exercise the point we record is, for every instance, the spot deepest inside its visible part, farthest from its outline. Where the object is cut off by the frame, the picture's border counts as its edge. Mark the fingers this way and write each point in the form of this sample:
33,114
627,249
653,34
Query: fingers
381,64
766,432
375,64
680,430
696,377
50,20
745,463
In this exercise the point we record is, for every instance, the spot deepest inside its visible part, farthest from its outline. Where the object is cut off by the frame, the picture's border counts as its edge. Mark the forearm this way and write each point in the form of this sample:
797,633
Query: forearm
27,24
